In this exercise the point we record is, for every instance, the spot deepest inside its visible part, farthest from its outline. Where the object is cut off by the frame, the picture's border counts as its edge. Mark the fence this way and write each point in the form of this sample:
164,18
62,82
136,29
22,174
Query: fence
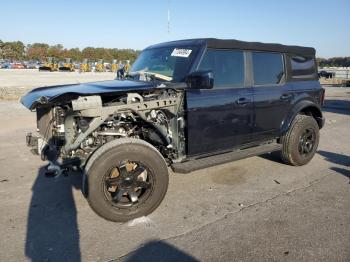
338,72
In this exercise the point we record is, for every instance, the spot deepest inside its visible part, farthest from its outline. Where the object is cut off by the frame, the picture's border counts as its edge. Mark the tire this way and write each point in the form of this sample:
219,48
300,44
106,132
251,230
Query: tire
296,150
120,205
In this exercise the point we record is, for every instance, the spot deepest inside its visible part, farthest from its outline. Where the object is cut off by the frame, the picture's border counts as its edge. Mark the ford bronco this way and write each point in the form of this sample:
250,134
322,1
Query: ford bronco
186,104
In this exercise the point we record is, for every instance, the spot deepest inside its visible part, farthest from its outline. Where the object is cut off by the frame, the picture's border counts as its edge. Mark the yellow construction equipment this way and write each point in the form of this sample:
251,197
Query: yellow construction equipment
114,66
100,66
126,67
85,66
50,65
67,65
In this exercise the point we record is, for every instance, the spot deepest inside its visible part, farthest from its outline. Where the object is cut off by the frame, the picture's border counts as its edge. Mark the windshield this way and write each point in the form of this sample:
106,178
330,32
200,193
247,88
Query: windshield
172,63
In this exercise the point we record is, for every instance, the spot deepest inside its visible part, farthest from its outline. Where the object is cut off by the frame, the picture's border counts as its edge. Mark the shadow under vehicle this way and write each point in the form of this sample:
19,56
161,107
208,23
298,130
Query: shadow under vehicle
187,104
52,226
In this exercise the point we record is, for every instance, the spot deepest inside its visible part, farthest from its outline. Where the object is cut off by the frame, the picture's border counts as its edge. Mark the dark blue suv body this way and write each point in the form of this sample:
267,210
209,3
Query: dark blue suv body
258,90
187,104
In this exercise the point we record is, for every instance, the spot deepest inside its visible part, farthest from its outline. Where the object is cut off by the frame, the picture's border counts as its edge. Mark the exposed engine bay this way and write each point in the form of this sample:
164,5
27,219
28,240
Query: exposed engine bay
74,130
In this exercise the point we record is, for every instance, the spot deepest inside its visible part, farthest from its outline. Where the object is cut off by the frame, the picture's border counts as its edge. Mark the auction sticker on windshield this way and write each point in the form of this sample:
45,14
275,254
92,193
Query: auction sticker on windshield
181,52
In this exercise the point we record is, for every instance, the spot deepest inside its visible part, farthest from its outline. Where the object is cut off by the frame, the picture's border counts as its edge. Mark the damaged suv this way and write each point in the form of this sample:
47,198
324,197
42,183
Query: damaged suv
187,105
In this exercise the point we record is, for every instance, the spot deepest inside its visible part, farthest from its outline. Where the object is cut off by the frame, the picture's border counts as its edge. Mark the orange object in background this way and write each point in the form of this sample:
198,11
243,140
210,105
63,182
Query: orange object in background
17,66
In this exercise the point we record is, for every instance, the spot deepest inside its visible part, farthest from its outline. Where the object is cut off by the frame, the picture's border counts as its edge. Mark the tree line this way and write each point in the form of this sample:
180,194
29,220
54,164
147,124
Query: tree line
17,51
39,51
334,61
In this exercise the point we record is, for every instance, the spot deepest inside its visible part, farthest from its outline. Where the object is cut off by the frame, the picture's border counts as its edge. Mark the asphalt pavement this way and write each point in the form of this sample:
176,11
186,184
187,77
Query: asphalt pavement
256,209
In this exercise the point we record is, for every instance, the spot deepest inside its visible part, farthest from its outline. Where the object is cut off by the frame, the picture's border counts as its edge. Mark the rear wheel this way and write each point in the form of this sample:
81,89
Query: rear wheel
125,179
300,143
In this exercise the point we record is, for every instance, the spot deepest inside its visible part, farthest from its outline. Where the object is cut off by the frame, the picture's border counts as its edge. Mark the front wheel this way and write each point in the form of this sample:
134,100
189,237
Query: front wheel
300,143
125,179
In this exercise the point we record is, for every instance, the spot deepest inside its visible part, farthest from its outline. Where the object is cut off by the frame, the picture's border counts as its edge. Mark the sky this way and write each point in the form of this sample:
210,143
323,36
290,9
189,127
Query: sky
136,24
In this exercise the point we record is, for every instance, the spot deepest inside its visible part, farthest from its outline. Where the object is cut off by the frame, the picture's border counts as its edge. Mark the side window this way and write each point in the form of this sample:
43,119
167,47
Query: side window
303,66
226,65
268,68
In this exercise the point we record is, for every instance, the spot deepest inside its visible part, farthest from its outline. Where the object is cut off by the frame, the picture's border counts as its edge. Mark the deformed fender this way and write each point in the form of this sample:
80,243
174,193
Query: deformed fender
297,108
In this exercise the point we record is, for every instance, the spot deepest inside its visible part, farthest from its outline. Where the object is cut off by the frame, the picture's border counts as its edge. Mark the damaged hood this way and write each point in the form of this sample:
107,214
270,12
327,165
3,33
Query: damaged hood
51,94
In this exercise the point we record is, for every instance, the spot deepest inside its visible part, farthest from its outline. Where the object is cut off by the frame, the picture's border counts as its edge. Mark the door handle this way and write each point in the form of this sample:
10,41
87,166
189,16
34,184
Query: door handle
286,96
243,101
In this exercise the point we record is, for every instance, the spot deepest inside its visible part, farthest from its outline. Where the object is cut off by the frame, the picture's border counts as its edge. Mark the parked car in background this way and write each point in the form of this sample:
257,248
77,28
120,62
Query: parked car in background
6,65
31,64
17,65
325,74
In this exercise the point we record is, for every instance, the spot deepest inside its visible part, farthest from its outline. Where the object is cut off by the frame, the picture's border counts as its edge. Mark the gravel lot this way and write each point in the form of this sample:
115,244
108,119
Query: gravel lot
255,209
14,83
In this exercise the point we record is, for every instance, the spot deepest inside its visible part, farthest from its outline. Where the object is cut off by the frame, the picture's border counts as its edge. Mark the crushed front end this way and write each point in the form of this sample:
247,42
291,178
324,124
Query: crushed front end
70,131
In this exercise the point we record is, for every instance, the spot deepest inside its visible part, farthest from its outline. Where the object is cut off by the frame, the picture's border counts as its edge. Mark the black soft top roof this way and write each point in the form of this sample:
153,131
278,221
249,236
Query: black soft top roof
243,45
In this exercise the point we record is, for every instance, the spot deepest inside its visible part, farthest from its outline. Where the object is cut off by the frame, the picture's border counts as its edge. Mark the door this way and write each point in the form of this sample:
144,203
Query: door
220,118
272,95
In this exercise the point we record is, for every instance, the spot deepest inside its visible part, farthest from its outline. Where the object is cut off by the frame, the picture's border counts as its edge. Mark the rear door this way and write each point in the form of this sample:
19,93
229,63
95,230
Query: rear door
220,118
272,95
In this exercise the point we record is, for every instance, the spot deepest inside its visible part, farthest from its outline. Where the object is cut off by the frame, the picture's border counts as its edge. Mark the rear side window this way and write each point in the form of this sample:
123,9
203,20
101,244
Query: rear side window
268,68
303,66
226,65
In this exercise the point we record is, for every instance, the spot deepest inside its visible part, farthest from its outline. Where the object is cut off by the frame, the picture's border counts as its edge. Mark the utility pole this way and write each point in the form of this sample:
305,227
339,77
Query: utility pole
168,17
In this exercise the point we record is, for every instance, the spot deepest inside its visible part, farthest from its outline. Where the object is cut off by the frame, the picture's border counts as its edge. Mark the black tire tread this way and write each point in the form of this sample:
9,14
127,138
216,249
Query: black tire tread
290,137
99,153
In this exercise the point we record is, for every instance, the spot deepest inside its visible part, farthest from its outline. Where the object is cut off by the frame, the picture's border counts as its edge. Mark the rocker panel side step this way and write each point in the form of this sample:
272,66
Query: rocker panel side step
192,165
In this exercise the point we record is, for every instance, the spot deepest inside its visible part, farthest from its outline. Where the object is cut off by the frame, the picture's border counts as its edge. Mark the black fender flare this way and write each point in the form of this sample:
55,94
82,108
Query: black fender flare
299,107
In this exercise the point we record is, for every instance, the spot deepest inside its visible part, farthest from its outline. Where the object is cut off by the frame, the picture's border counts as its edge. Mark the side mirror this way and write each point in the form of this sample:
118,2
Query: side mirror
201,80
